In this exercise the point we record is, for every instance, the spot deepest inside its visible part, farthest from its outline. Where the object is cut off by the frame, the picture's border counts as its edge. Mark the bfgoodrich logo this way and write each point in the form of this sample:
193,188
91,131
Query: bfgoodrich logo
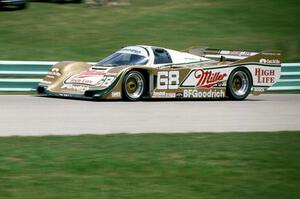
192,93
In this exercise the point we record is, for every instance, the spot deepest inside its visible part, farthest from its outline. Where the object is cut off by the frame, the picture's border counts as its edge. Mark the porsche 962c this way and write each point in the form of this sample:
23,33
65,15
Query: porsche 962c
138,72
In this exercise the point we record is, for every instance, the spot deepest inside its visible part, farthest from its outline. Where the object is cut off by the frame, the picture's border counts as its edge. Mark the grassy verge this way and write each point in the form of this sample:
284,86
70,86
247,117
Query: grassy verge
233,165
17,93
284,92
47,31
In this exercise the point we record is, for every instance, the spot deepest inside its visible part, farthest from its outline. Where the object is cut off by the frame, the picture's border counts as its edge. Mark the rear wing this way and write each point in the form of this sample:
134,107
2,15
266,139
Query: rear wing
231,55
273,57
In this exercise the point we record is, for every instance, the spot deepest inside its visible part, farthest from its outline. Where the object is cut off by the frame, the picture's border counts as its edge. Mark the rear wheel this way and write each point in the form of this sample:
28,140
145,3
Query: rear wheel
239,84
133,86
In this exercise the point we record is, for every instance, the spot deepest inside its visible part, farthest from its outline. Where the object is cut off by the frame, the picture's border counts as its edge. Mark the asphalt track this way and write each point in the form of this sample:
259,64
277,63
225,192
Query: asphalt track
32,115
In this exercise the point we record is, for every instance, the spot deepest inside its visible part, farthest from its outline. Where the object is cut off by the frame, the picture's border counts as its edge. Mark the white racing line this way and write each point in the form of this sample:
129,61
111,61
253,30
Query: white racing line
24,115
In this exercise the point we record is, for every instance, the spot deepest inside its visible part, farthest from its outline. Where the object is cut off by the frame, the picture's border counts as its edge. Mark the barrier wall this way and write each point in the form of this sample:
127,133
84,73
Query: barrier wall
25,75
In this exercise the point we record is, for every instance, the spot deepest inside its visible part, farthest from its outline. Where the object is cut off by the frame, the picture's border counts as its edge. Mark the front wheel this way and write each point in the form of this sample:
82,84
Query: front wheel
239,84
134,85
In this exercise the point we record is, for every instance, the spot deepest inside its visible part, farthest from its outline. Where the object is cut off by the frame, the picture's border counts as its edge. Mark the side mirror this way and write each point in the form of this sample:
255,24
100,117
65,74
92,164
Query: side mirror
222,59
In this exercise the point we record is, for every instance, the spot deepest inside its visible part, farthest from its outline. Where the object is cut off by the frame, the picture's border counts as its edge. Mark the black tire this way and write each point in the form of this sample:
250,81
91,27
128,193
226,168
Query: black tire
239,84
134,86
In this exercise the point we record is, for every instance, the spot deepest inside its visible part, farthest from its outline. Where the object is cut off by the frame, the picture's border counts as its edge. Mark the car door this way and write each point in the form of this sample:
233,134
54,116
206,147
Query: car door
168,77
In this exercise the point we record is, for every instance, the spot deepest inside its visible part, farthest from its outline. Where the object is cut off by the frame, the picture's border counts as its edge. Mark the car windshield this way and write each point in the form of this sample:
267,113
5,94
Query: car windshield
126,56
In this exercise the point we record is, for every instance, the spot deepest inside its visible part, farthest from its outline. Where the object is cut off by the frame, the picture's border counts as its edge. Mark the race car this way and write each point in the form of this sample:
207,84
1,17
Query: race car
140,72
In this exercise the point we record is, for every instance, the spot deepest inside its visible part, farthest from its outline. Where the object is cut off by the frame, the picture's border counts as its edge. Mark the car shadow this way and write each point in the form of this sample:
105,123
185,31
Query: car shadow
9,9
147,100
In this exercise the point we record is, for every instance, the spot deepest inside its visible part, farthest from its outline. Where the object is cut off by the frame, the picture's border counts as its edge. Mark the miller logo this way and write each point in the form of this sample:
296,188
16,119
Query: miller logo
208,79
200,78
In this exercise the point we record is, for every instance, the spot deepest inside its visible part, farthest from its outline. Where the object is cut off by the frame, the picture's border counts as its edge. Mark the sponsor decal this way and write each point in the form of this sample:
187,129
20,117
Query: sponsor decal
163,94
170,95
265,76
131,50
87,77
204,79
116,94
237,53
269,61
90,73
78,88
211,93
134,50
221,84
64,94
111,74
207,79
81,81
179,95
158,94
259,89
91,77
191,59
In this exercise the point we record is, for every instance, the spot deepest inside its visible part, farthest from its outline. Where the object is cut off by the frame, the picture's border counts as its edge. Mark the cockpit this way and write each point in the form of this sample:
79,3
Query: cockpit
133,55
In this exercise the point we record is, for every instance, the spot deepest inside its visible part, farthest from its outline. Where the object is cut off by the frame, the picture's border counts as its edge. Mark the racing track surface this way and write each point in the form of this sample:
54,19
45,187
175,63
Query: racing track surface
32,115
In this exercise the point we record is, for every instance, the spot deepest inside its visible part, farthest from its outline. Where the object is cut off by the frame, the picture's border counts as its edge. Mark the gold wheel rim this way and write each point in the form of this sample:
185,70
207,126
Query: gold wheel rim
131,85
134,85
240,83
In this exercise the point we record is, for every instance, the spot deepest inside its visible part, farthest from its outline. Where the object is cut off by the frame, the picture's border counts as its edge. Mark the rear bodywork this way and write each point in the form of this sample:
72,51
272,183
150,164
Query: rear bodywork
196,73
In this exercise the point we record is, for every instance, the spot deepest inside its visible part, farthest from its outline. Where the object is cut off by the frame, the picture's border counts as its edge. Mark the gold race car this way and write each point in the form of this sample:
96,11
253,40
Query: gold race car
137,72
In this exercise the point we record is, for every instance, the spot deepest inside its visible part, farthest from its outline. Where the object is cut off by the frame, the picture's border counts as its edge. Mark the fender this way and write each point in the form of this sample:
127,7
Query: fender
265,69
60,71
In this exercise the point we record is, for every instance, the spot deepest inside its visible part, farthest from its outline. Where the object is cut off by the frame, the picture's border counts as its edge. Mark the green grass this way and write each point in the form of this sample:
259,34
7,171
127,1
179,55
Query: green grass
284,92
18,93
76,32
151,166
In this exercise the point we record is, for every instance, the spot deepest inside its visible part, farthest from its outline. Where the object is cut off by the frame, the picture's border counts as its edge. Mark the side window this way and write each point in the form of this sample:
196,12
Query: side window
161,56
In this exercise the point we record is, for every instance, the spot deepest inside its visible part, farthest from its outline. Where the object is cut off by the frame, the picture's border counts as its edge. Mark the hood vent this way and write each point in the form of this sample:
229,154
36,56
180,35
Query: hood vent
99,68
